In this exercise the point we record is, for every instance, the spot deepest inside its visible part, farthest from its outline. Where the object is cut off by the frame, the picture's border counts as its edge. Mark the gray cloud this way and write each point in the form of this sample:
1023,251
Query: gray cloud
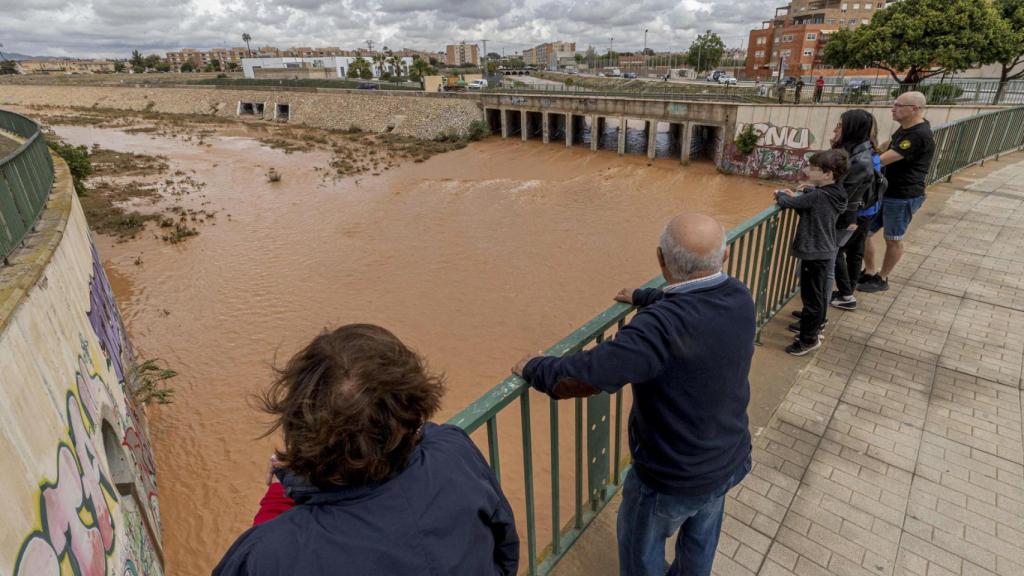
113,28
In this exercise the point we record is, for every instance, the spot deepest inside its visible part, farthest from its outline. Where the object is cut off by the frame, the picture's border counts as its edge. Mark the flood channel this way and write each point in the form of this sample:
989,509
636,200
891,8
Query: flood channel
474,257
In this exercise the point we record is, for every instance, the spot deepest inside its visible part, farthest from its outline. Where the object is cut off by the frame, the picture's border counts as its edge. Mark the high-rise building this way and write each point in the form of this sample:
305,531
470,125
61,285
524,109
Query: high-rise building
462,53
796,36
547,54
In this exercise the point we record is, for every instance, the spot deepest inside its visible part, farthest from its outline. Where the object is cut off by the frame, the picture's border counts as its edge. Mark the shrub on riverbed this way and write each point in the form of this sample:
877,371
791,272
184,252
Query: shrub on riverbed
77,159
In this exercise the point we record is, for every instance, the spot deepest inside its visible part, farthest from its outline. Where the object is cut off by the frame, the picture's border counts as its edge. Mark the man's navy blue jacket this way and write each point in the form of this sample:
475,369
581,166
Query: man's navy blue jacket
444,514
687,353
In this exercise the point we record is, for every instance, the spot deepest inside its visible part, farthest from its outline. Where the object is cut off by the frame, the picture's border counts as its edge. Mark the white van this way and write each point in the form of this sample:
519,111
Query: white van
477,84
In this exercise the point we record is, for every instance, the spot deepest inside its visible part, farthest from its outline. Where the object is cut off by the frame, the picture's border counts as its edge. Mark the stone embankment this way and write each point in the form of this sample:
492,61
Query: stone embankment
419,115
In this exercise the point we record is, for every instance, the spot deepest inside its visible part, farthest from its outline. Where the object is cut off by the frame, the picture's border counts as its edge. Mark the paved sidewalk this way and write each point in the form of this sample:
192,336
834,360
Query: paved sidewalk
899,448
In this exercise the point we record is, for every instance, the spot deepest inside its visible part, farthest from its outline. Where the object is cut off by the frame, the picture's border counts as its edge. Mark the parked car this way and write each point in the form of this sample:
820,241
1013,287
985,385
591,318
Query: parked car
713,76
789,81
600,75
477,84
726,79
629,75
367,86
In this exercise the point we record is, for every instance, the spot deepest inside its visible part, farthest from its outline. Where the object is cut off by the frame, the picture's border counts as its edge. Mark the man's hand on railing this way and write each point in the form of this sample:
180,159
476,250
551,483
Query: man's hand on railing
521,365
625,296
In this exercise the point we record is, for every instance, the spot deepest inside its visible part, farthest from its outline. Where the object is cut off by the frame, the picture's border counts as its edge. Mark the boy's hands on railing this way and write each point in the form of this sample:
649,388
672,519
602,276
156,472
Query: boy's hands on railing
625,296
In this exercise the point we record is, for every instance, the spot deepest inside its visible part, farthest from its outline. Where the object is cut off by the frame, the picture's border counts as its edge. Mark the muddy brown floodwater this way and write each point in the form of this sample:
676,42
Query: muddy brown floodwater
475,258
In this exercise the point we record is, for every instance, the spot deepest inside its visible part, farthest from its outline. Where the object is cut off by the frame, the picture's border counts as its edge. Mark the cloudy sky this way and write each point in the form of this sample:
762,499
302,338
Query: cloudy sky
112,28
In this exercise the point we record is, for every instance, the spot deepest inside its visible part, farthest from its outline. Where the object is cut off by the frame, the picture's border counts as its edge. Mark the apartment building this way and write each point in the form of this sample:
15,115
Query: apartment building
547,54
200,58
462,53
796,36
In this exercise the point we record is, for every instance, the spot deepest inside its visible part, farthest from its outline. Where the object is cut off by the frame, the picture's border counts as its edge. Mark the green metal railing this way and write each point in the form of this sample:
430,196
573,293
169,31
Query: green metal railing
758,257
965,142
26,176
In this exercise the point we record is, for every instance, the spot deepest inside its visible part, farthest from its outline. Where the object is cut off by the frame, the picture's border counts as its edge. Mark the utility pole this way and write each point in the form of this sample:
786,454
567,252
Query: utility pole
611,45
483,61
369,45
645,52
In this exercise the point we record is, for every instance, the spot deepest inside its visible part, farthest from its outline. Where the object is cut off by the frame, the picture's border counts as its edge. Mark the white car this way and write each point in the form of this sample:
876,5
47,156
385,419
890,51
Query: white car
477,84
723,79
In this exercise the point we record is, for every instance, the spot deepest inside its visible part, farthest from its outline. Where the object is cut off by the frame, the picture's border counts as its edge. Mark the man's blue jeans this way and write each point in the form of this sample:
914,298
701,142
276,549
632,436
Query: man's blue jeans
647,518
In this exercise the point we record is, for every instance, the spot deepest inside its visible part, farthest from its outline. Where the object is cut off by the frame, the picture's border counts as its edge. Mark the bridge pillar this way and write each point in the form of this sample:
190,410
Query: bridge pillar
595,132
652,136
568,129
524,121
545,127
684,142
504,123
622,135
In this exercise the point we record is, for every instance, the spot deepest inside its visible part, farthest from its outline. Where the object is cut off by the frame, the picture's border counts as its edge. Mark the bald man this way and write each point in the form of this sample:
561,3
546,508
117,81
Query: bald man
687,354
907,161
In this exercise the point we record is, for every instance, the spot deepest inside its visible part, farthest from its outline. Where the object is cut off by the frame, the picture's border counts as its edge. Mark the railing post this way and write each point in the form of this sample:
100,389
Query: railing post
760,299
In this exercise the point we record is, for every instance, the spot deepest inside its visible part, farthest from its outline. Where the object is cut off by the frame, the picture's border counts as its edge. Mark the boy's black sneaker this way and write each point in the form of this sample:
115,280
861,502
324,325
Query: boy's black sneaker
872,284
797,313
795,327
844,302
798,348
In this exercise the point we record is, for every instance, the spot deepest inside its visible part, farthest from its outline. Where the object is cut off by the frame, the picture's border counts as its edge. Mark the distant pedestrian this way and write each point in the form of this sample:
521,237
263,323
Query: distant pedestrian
819,87
687,354
799,89
907,159
782,92
819,205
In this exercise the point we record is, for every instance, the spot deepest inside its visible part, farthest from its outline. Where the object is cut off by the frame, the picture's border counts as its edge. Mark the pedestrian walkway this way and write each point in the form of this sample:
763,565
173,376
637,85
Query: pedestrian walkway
899,448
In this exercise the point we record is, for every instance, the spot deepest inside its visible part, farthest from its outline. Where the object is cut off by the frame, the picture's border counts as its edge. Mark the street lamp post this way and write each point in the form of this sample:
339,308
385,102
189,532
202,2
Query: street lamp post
645,52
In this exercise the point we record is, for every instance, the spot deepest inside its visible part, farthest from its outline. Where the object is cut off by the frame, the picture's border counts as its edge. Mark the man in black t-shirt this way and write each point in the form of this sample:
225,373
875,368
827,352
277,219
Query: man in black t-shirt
907,161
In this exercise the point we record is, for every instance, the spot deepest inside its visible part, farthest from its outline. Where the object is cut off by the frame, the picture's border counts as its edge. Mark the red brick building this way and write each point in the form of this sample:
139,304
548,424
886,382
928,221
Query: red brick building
795,37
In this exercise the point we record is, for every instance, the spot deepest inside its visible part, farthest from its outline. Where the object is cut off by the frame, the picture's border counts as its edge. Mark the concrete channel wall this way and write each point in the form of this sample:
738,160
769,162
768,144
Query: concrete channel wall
790,134
414,114
79,480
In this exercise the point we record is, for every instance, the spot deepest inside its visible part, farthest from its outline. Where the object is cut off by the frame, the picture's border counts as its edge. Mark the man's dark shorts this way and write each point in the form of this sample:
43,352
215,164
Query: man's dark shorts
895,216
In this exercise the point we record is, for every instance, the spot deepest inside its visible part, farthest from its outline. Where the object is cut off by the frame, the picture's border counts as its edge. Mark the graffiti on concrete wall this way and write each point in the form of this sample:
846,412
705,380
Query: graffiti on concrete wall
76,528
108,327
781,152
80,515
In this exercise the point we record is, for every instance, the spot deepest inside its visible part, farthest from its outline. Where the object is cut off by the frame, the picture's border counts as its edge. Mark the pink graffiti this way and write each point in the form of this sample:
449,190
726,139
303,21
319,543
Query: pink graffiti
80,485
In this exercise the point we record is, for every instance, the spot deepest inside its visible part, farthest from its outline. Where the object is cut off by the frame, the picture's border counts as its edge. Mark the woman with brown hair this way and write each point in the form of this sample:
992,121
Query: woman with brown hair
377,488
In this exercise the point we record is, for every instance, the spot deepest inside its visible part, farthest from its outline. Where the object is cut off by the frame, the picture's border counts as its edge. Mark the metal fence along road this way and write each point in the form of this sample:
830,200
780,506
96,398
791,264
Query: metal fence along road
26,176
759,257
949,93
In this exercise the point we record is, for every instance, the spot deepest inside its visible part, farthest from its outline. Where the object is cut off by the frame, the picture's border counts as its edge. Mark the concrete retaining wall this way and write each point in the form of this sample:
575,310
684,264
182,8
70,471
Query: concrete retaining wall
790,134
78,476
413,114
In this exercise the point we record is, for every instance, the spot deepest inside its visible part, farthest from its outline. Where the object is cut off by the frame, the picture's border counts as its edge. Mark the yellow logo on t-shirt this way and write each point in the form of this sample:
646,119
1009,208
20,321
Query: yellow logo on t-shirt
905,145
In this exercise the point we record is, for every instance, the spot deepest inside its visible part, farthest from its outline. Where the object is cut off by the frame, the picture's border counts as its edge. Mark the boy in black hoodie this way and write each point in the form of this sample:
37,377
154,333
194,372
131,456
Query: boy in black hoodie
819,206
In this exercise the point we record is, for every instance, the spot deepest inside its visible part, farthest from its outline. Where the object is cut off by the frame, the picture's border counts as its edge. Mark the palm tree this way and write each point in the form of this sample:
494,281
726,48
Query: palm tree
379,59
396,62
420,68
246,38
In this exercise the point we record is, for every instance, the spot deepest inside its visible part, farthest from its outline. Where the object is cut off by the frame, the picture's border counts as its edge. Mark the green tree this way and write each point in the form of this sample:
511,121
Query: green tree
1012,11
246,38
119,66
706,52
187,67
151,61
232,66
213,66
420,68
137,62
516,63
921,39
8,67
162,66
